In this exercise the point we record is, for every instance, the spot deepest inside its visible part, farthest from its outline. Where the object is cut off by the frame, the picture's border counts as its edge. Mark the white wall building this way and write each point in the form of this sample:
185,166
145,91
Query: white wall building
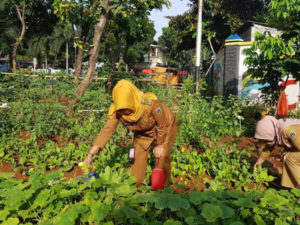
230,76
155,56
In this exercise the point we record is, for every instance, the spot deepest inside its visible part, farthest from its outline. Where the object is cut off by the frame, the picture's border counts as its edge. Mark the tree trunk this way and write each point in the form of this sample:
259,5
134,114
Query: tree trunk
21,17
46,60
67,57
10,60
109,78
98,29
79,62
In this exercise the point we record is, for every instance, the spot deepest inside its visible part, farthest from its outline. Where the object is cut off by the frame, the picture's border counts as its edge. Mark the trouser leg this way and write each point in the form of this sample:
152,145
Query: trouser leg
165,160
291,171
138,168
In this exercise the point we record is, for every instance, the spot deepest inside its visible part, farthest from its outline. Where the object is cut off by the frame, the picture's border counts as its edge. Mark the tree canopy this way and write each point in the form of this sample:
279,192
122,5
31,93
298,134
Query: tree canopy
271,58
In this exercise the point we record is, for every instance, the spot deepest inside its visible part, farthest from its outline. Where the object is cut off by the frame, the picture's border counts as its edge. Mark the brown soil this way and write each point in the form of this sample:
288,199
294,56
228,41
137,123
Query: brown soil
185,184
64,100
15,157
187,148
75,172
124,143
19,173
6,168
52,170
25,135
254,186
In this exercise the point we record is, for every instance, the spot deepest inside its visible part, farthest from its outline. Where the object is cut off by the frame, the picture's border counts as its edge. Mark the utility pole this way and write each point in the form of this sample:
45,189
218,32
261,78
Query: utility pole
198,46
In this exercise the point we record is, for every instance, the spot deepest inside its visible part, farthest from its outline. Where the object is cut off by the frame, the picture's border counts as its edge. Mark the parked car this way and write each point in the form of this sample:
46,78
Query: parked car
4,68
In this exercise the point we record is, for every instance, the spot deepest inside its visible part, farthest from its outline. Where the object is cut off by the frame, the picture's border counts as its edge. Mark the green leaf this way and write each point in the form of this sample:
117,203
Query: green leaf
296,192
25,214
68,193
244,202
68,217
237,223
258,220
3,214
172,222
41,199
6,175
191,220
99,211
14,198
145,198
108,223
227,211
177,203
235,194
11,221
125,190
211,212
133,215
198,197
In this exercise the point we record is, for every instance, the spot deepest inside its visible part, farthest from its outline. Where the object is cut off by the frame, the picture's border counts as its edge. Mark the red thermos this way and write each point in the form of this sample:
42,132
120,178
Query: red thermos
157,177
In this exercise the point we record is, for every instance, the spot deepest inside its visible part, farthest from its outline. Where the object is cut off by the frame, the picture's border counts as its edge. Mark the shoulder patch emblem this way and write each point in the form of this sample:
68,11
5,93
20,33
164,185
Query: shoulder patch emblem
292,134
158,110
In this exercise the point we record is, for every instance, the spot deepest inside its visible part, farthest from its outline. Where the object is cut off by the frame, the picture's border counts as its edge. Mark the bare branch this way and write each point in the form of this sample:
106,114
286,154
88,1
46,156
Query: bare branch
211,46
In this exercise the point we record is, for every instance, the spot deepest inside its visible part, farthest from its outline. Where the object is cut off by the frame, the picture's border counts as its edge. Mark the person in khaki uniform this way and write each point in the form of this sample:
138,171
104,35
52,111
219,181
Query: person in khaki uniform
149,120
284,132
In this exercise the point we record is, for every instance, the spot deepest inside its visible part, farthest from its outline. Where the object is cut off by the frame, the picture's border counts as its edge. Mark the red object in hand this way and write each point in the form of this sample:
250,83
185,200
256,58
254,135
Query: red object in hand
282,109
157,177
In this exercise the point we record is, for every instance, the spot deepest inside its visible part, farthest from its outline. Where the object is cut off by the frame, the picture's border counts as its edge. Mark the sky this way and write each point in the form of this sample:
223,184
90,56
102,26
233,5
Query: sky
178,7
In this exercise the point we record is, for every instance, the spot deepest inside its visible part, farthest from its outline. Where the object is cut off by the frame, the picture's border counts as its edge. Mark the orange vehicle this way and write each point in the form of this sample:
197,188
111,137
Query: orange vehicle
166,75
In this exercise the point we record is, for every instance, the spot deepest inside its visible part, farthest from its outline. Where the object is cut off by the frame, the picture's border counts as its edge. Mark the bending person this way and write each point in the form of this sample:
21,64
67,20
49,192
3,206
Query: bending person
149,120
284,132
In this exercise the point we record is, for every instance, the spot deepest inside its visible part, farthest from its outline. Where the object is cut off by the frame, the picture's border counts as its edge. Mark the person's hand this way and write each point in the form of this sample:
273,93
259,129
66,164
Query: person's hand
255,167
89,162
158,151
283,156
259,162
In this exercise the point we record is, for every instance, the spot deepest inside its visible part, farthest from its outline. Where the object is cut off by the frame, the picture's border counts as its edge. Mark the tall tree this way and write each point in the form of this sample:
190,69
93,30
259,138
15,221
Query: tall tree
41,24
19,8
8,28
101,10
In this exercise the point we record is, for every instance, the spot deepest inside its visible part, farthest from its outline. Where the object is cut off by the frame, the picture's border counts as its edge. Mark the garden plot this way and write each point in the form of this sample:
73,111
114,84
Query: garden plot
213,178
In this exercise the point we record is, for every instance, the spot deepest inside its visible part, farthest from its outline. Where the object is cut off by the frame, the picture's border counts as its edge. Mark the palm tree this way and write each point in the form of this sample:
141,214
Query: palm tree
62,34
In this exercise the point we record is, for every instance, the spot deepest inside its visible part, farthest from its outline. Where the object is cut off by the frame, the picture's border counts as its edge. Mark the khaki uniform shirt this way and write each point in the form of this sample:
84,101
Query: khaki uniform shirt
291,137
153,124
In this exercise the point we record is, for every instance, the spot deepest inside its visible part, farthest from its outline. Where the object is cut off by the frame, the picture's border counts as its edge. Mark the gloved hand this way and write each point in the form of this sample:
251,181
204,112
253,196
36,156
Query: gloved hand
158,151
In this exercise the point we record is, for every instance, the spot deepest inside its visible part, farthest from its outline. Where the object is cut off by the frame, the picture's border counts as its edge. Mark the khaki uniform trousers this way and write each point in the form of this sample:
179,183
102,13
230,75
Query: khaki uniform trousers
138,169
291,166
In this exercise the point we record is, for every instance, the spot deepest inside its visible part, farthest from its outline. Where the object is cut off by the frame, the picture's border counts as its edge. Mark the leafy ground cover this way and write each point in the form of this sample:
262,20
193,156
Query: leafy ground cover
213,181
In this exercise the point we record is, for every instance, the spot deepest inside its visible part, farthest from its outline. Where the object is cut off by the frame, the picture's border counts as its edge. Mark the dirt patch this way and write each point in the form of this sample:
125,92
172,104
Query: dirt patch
185,184
246,143
6,168
20,172
75,172
124,143
64,100
20,175
187,148
25,135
